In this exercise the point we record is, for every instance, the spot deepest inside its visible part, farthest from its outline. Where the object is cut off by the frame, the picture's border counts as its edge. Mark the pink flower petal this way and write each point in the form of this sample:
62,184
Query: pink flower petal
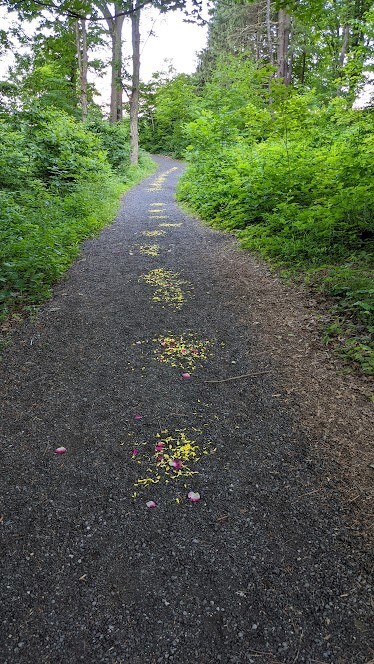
159,457
151,503
138,417
159,447
176,464
135,452
60,450
193,496
186,375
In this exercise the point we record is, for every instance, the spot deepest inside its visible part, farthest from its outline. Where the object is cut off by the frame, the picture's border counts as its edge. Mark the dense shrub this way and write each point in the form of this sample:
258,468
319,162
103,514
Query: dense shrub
164,115
295,182
57,188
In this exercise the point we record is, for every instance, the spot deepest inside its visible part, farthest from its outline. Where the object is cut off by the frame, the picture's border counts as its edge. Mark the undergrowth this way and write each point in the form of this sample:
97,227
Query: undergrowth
61,185
295,184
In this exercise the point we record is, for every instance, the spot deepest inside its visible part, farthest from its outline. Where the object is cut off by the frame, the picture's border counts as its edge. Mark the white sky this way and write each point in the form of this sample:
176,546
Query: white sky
165,39
174,40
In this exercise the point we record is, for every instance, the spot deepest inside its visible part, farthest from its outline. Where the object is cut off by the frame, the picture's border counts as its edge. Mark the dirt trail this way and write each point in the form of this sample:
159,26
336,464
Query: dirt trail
157,372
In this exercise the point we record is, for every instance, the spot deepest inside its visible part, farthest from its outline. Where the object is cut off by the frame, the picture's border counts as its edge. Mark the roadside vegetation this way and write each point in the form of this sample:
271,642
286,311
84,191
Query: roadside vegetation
61,182
63,165
286,167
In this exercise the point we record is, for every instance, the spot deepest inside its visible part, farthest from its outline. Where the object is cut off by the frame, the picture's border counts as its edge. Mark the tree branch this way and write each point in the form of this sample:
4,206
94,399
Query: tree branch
73,14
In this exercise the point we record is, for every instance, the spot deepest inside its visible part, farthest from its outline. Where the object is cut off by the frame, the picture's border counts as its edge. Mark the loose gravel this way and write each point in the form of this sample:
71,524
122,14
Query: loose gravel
265,568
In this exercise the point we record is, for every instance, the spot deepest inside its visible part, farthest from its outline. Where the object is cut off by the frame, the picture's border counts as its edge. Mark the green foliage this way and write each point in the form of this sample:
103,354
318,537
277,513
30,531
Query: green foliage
114,139
294,180
165,111
64,153
57,188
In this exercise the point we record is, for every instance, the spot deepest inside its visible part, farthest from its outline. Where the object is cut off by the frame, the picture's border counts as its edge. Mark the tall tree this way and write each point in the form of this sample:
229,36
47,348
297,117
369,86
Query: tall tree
134,95
284,24
81,41
115,16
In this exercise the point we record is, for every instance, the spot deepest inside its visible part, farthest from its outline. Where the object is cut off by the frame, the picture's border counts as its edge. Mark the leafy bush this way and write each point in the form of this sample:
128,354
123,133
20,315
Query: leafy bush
295,182
164,115
57,189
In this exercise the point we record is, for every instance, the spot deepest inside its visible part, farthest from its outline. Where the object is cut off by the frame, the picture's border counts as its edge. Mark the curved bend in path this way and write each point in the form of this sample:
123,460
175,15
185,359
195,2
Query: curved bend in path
262,569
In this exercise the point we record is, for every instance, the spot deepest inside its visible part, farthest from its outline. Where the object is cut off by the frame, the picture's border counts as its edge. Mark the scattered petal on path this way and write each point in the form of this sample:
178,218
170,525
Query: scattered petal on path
138,417
170,289
60,450
186,375
175,463
135,452
193,496
185,351
151,503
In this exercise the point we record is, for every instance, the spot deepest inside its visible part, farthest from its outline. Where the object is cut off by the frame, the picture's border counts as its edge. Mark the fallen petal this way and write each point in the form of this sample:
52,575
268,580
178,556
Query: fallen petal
151,503
159,457
138,417
159,447
186,375
60,450
135,452
175,463
193,496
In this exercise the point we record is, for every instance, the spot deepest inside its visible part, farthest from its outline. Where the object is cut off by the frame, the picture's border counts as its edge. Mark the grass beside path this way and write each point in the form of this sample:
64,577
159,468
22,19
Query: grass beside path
42,236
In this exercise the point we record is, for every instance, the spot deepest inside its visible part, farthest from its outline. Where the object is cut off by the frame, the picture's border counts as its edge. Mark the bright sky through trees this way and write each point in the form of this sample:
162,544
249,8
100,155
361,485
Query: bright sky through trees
166,39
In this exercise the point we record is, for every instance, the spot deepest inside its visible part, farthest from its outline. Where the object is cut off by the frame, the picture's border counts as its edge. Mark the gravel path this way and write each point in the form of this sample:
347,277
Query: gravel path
264,568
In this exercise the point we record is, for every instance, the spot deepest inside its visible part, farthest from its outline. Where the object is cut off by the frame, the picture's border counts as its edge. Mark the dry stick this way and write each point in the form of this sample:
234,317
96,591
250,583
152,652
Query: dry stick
224,380
321,488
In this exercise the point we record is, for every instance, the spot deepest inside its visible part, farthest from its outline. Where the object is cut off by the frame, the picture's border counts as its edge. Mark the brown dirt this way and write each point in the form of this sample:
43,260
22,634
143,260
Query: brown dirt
333,405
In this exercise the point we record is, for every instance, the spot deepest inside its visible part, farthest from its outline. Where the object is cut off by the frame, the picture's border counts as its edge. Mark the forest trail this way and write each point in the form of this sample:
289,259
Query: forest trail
265,568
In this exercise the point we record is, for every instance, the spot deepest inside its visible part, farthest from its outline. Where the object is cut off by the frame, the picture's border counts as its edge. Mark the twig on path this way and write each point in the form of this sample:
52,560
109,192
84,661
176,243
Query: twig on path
224,380
224,517
321,488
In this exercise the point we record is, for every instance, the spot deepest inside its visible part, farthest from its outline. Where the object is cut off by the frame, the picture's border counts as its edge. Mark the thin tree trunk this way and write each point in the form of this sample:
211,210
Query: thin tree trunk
284,23
303,67
134,97
258,34
81,41
115,24
291,55
268,31
116,105
344,47
342,55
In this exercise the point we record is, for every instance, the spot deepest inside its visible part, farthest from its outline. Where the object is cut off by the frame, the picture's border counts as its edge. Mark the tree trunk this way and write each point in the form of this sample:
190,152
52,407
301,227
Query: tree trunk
116,105
268,31
303,68
284,22
134,97
344,47
81,41
115,24
291,55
